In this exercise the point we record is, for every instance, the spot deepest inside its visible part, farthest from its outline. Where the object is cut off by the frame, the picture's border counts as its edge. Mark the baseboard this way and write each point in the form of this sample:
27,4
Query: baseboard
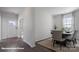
11,38
43,39
31,45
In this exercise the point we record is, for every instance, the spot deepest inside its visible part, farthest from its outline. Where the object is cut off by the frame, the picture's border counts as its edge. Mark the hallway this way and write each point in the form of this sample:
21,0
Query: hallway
14,45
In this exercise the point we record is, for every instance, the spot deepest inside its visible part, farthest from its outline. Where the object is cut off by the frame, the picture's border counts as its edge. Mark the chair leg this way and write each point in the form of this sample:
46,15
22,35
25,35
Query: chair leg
61,47
53,42
74,42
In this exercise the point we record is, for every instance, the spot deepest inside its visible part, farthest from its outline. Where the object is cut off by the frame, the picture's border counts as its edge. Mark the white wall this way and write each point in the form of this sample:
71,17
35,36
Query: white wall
6,30
43,24
58,21
28,29
76,17
37,25
0,26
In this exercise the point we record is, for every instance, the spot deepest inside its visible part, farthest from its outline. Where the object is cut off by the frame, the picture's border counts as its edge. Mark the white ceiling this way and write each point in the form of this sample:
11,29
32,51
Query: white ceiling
53,10
63,10
58,10
15,10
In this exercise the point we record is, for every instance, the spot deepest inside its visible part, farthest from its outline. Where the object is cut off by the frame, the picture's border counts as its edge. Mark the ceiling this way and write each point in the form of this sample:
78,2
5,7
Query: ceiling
58,10
15,10
63,10
53,10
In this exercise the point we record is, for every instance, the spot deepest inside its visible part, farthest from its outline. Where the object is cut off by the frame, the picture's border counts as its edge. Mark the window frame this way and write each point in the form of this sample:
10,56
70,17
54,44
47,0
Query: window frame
65,25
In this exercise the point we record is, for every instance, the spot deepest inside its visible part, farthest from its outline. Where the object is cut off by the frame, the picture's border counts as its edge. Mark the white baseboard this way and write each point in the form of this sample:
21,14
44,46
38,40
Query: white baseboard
31,45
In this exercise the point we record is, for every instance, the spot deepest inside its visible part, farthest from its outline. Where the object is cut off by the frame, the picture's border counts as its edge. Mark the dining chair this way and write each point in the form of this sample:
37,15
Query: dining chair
57,38
72,38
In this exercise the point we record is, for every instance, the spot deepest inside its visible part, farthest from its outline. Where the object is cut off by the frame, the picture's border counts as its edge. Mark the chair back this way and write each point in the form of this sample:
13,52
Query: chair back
57,35
74,35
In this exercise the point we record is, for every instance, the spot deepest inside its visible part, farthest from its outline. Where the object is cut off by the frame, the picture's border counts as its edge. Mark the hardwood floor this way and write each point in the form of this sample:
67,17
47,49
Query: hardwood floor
47,43
17,45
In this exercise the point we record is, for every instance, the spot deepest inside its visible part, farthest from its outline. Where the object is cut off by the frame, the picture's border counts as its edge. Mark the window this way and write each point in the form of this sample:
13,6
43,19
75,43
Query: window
12,23
68,22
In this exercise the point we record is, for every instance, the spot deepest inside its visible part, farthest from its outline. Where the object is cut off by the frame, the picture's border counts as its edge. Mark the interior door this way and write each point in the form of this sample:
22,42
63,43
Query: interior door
9,26
12,28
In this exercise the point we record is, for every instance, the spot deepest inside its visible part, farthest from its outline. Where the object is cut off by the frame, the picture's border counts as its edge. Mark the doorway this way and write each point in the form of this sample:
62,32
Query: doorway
21,28
9,24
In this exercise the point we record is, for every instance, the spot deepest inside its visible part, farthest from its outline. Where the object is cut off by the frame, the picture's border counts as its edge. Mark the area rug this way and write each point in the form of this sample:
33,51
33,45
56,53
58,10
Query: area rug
47,43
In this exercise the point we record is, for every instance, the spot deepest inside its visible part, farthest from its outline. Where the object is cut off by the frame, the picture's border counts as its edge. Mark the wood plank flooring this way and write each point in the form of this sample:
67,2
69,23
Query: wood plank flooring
18,45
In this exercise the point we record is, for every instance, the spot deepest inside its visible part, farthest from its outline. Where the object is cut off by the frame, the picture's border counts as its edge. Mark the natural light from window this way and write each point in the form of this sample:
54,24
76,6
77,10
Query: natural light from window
68,22
12,22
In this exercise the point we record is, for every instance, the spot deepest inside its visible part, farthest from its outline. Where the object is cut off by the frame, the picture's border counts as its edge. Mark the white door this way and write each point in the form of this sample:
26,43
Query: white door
9,26
12,28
